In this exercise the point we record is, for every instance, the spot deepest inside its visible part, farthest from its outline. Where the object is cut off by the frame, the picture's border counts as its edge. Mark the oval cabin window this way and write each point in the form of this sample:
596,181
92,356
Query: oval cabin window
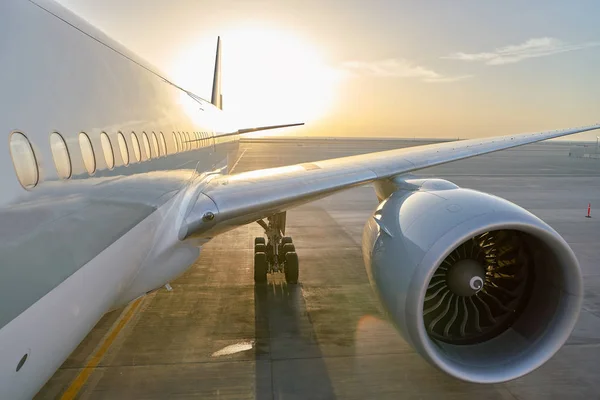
60,155
181,141
155,149
146,143
164,144
109,156
176,141
87,153
123,148
179,138
137,152
24,160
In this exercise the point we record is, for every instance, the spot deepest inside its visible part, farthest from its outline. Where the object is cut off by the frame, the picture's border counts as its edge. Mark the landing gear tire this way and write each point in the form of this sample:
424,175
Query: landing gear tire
286,248
291,267
260,267
286,239
259,240
260,248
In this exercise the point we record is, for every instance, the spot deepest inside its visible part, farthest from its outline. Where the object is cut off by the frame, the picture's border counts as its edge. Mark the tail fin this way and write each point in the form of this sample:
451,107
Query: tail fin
217,97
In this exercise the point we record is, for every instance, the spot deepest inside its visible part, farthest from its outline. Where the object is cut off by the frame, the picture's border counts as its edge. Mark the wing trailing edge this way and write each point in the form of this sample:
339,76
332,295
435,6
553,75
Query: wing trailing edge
249,130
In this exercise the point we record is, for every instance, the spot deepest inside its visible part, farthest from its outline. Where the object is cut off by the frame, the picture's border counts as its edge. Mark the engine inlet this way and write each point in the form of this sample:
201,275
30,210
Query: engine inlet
480,288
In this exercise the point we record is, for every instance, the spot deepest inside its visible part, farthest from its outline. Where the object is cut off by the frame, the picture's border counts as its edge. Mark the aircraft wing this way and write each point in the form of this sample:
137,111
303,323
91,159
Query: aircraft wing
249,130
227,201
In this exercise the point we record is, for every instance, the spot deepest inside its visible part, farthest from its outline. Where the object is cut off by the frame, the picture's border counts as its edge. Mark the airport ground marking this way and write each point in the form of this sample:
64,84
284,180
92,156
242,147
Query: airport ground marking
73,390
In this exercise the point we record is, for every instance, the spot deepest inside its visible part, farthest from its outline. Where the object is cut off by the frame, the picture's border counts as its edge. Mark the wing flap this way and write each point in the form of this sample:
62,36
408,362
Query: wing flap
242,198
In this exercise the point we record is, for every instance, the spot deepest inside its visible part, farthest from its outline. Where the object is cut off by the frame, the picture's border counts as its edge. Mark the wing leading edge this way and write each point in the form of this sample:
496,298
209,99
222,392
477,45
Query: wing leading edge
227,201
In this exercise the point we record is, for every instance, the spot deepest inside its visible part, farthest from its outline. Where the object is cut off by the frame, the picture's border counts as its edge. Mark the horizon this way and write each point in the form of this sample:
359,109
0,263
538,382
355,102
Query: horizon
400,68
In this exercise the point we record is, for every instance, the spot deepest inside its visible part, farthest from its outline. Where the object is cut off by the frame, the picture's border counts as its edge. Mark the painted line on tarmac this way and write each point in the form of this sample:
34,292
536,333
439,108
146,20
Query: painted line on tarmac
73,390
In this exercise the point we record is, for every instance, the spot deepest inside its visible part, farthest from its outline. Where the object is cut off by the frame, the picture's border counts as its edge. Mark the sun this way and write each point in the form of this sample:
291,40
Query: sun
269,77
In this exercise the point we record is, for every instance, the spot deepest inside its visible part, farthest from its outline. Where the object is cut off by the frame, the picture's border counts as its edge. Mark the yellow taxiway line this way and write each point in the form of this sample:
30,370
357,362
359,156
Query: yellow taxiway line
91,365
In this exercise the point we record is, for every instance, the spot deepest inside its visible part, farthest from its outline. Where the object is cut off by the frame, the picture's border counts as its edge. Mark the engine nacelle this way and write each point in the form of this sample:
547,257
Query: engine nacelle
480,287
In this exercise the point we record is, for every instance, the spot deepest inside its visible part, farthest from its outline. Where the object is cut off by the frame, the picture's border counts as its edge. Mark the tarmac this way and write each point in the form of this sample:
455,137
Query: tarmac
217,336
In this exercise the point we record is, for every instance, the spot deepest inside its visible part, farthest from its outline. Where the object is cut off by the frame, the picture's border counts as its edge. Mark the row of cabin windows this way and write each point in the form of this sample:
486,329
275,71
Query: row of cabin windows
26,167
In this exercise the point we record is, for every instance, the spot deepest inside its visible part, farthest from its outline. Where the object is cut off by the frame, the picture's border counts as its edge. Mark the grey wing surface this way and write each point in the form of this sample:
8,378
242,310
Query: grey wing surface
223,202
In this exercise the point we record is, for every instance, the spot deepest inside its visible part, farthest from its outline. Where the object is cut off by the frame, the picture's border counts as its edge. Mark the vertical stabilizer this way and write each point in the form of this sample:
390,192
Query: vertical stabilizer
217,98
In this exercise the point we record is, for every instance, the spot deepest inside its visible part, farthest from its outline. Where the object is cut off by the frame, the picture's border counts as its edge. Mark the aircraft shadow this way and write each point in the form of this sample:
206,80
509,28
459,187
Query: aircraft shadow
286,338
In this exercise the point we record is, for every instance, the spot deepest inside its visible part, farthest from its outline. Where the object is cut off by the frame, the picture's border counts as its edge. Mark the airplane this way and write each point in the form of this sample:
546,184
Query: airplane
110,188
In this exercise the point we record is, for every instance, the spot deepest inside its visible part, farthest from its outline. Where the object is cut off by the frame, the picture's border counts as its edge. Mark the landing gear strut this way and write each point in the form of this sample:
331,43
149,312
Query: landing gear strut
277,253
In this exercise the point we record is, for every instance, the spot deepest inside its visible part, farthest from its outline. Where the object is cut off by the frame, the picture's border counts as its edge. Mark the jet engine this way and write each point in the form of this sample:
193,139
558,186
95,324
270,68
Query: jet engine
480,287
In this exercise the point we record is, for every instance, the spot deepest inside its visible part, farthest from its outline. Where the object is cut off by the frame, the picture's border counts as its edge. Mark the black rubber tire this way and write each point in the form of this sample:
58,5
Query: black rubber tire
286,248
259,240
291,267
286,239
260,248
260,268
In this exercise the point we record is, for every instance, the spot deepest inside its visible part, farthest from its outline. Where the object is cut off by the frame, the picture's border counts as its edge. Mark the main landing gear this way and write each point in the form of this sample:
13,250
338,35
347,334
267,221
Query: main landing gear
277,253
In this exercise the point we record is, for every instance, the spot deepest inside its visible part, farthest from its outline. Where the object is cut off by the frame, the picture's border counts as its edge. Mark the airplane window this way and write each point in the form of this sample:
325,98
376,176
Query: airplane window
163,142
181,141
109,156
60,154
176,140
87,153
123,148
146,143
155,148
24,160
195,143
187,140
137,152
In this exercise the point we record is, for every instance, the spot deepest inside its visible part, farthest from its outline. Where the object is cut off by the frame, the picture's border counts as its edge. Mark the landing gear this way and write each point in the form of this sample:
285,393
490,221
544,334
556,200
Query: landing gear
291,267
286,248
277,253
260,267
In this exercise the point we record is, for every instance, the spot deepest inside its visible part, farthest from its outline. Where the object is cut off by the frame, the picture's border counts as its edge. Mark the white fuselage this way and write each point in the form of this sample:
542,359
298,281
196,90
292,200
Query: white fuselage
72,249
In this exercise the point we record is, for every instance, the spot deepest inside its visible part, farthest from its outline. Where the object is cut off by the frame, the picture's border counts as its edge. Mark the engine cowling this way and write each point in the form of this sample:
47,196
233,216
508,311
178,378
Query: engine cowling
480,287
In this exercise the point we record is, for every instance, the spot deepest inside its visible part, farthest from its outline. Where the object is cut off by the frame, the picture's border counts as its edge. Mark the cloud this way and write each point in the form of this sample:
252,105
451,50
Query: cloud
398,68
536,47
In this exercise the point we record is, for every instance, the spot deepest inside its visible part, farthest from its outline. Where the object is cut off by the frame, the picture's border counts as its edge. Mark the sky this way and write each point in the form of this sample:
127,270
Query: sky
444,69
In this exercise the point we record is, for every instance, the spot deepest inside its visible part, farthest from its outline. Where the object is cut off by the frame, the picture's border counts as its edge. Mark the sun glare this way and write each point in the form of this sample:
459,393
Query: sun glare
269,77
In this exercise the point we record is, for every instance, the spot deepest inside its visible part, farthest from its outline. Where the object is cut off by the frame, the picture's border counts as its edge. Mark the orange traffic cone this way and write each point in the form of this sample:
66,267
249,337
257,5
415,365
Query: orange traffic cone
589,214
